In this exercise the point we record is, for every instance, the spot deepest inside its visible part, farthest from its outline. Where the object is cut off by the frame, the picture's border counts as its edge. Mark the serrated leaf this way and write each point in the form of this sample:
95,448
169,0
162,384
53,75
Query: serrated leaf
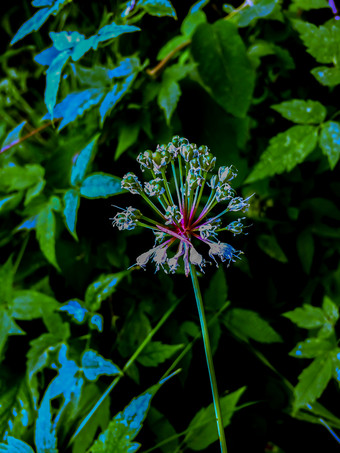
39,18
321,42
27,304
202,428
253,11
305,249
327,76
101,289
12,137
156,352
128,134
75,309
303,112
100,185
53,76
168,97
249,324
95,365
313,381
221,57
330,142
75,105
285,151
124,427
45,231
158,8
15,446
330,309
71,205
307,317
311,348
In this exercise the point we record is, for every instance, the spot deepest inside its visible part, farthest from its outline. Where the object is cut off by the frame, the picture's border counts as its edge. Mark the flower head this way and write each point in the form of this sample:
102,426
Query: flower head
179,172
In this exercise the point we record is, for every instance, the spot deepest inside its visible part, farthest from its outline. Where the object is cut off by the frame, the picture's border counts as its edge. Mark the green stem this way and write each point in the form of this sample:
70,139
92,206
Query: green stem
208,354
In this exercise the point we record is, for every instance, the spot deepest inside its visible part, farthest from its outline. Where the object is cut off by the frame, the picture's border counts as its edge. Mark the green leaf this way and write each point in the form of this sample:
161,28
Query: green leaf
313,381
20,178
71,205
5,326
15,446
307,5
39,18
221,56
285,151
124,427
216,294
10,202
191,21
330,142
168,97
100,185
162,429
256,10
330,309
127,136
171,45
311,348
46,230
81,162
101,289
271,247
7,273
53,76
303,112
321,42
327,76
95,365
249,324
27,304
305,249
202,428
158,8
307,317
156,352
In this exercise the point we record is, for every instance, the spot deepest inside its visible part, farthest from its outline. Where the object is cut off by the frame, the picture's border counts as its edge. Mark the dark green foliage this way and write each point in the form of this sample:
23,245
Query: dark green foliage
84,88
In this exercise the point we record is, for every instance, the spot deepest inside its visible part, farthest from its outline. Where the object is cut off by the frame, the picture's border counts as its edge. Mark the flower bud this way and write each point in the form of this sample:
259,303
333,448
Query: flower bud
154,188
127,220
238,204
145,159
236,227
173,215
175,140
226,174
187,152
131,183
223,192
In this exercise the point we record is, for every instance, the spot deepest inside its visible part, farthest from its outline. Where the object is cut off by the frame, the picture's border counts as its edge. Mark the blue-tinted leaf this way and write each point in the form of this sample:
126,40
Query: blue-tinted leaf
100,185
71,205
285,151
113,31
15,446
120,433
303,112
255,10
330,142
168,97
66,39
202,430
124,68
95,365
199,5
39,18
221,56
33,24
45,431
46,56
327,76
158,8
34,191
53,75
311,348
249,324
82,162
45,231
12,137
29,304
83,47
29,224
75,104
75,309
156,352
102,289
313,381
117,92
96,322
10,202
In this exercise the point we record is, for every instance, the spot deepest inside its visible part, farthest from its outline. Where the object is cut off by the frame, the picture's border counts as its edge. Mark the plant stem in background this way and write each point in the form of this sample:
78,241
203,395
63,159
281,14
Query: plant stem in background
208,354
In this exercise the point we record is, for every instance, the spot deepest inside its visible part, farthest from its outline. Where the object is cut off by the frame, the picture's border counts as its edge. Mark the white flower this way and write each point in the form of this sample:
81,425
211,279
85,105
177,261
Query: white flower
196,258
